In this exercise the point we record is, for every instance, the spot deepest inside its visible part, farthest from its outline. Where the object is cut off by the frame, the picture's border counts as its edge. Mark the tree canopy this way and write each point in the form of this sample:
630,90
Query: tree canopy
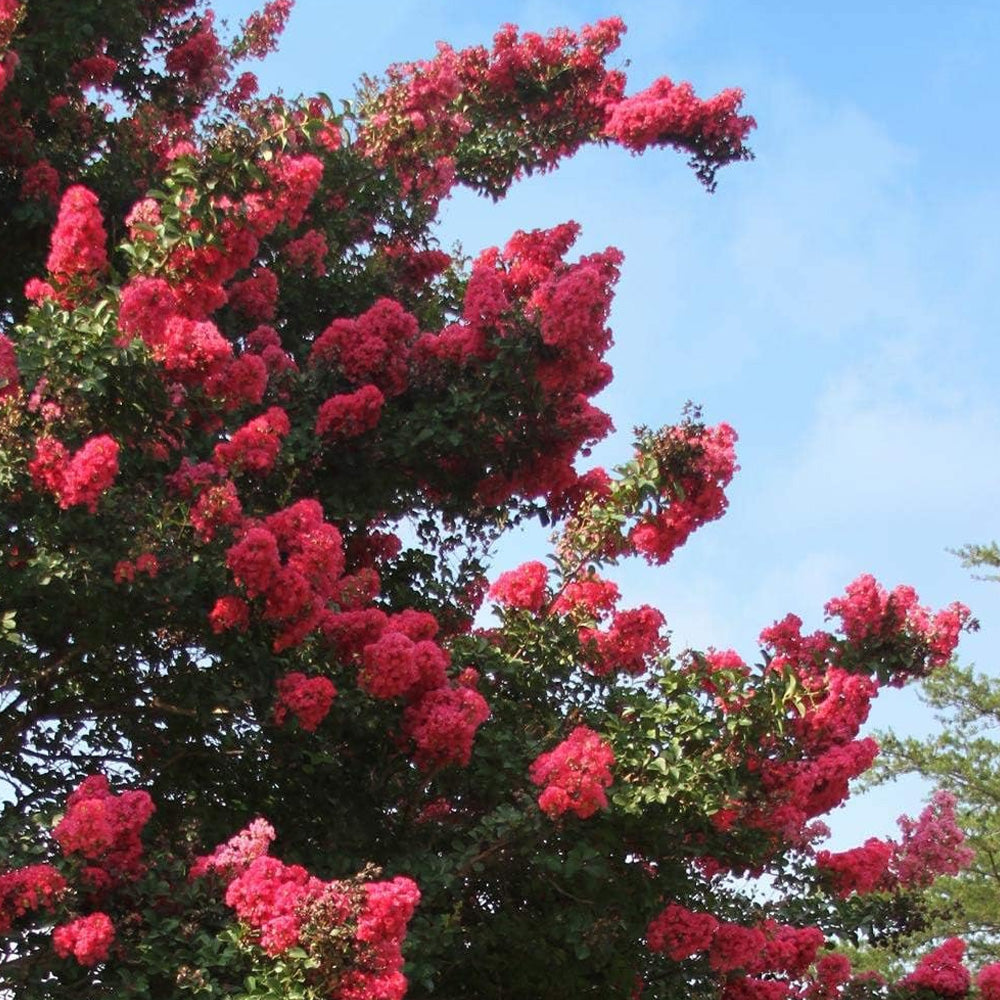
258,434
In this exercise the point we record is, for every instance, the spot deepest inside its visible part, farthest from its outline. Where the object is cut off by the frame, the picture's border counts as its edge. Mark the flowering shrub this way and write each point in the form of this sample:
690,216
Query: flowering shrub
258,434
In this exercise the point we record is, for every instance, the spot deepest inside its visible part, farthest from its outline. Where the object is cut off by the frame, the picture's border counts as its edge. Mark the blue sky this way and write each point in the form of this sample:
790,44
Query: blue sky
835,300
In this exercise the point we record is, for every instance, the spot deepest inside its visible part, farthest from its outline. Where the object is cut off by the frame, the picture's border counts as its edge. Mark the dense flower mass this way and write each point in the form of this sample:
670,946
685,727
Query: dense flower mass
79,478
307,698
25,889
523,587
105,829
941,972
575,775
79,253
87,939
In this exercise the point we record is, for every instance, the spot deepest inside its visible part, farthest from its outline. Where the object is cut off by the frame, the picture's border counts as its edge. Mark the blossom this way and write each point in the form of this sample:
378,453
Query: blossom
237,853
25,889
88,939
350,414
254,447
307,698
523,587
78,254
105,828
574,774
680,932
77,479
443,724
941,972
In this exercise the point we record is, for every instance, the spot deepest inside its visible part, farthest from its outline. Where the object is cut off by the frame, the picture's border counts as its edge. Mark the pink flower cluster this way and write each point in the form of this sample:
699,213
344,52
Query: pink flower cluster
403,660
78,255
350,414
294,561
888,634
105,829
217,507
575,775
307,698
397,657
80,478
40,182
262,28
286,907
10,377
590,595
522,588
861,869
941,972
931,845
373,348
870,615
235,856
381,929
706,461
630,644
768,948
145,563
668,114
269,896
88,939
25,889
254,447
443,724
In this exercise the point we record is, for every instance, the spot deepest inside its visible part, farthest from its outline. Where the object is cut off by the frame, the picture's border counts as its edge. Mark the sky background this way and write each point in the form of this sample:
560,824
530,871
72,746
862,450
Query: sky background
835,300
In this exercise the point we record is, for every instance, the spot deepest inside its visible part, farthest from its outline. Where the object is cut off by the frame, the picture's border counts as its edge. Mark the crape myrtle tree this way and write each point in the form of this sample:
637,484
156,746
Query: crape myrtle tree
252,743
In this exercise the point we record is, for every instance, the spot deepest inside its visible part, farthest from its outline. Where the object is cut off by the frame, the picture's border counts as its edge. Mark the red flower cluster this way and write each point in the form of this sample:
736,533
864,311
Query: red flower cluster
27,889
629,644
296,589
146,563
254,447
80,478
307,698
270,896
396,665
523,587
370,349
988,982
869,615
442,725
261,28
105,828
40,182
78,255
861,869
88,939
706,461
574,774
350,414
768,948
216,507
932,845
381,928
941,972
680,932
668,114
285,907
9,375
591,595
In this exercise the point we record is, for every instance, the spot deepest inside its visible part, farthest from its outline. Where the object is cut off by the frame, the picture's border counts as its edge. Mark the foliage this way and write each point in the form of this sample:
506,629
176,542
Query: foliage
257,436
962,757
